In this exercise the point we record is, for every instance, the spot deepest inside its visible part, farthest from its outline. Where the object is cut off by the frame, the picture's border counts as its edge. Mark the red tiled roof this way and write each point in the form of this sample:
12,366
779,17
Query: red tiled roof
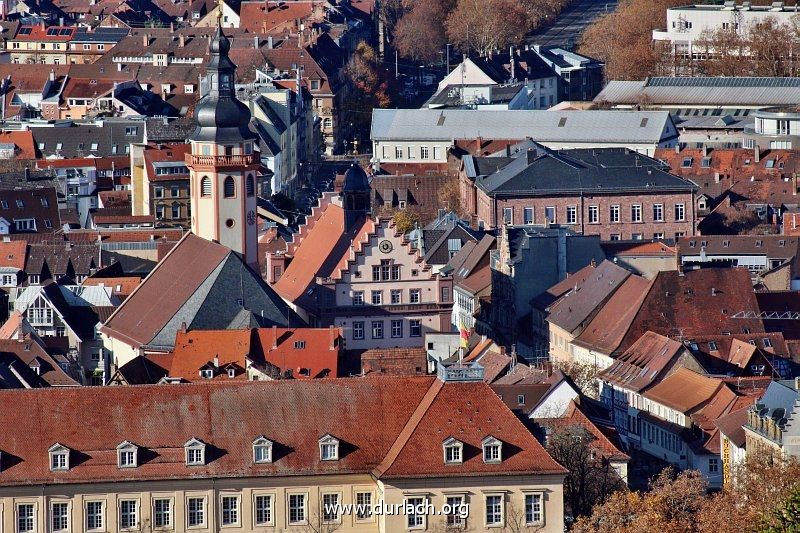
368,414
39,32
642,364
574,416
273,17
78,162
123,219
395,361
120,286
683,304
319,354
23,140
12,254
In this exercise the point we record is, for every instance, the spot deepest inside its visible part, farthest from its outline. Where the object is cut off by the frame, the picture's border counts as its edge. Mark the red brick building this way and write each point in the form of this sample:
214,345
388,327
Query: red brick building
611,192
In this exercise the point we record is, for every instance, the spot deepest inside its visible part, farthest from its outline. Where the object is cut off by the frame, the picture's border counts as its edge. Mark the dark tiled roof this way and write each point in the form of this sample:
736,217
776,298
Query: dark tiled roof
117,133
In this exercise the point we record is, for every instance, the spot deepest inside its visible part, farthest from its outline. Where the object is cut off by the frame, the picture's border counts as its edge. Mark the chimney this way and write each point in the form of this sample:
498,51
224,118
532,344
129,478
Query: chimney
332,338
716,177
511,60
183,327
181,40
255,42
52,75
757,154
172,27
678,148
269,42
794,183
145,40
119,67
705,150
274,337
216,361
60,21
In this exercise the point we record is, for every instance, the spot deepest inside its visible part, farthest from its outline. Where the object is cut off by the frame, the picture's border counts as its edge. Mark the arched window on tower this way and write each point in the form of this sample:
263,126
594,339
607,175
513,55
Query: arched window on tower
205,186
229,188
251,185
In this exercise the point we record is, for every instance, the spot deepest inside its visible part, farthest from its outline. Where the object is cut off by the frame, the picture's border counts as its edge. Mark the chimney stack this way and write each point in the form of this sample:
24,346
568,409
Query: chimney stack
181,40
145,40
255,42
274,337
511,60
269,42
216,361
757,153
332,337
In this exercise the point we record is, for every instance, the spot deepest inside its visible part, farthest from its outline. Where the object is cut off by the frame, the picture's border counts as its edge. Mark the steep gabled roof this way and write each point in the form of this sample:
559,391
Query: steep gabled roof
684,391
199,283
641,365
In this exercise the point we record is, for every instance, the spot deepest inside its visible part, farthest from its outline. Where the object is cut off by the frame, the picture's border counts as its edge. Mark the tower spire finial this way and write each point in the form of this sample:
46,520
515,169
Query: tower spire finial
219,13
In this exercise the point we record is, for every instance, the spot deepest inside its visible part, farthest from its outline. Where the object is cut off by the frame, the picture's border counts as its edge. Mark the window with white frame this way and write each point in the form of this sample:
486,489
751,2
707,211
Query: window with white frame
594,214
128,514
358,297
453,451
196,512
455,518
262,507
297,508
59,516
358,330
377,297
613,213
162,512
95,515
329,448
572,214
527,215
262,450
415,328
424,152
494,510
658,212
550,214
26,517
363,506
195,452
230,510
636,213
377,329
508,215
59,457
126,455
492,450
330,508
415,519
414,295
534,512
680,212
396,296
398,152
397,329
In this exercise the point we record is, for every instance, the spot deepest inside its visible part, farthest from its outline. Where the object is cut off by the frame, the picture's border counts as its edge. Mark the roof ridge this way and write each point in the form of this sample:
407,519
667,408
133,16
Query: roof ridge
408,429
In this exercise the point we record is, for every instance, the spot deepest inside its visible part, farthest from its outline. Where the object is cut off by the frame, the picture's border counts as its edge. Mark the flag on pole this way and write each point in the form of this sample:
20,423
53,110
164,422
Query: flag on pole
464,335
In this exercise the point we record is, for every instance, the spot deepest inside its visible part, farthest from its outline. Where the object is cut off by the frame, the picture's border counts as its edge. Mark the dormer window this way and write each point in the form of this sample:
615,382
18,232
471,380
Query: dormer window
127,455
195,452
59,457
492,450
329,448
206,373
262,450
453,451
231,373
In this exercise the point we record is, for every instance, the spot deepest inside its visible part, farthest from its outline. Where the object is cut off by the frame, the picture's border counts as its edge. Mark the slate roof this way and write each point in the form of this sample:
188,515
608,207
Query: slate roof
731,425
56,260
575,307
39,204
542,172
117,133
22,355
193,285
543,126
389,427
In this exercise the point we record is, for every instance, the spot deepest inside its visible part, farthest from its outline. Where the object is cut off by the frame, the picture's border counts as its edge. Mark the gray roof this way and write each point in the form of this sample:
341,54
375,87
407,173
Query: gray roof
710,91
780,394
119,133
540,171
544,126
99,35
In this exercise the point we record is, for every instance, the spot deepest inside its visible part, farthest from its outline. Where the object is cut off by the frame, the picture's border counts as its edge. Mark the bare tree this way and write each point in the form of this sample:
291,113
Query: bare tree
318,524
591,479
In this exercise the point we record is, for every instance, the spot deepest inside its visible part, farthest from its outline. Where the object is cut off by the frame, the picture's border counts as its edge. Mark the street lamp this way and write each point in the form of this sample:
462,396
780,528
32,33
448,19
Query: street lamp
448,57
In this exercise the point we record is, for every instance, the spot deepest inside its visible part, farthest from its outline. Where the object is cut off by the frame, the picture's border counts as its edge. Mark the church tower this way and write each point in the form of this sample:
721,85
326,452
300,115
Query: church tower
223,164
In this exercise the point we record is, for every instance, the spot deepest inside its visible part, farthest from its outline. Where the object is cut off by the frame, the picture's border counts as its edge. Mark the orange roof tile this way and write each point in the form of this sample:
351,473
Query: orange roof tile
23,141
684,390
12,254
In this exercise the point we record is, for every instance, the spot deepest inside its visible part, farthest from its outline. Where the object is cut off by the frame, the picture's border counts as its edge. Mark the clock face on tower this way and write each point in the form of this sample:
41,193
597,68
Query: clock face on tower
251,217
385,246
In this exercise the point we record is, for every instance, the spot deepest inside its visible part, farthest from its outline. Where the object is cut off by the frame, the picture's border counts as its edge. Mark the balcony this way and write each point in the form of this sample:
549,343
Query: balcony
221,160
460,372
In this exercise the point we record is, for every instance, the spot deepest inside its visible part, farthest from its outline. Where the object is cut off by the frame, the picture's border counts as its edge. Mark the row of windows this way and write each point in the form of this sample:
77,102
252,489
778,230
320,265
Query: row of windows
19,202
94,146
423,152
395,327
395,296
175,211
417,508
175,191
228,186
593,214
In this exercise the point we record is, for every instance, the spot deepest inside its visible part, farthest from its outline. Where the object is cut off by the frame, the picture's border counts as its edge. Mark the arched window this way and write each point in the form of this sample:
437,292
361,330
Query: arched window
251,185
205,186
229,189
